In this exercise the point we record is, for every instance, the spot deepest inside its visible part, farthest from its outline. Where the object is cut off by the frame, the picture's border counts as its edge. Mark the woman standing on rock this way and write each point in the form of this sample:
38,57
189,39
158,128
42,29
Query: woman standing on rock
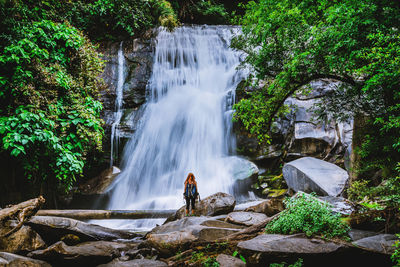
190,192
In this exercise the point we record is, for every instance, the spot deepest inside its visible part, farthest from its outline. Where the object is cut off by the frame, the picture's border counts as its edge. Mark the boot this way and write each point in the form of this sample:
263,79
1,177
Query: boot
192,212
187,213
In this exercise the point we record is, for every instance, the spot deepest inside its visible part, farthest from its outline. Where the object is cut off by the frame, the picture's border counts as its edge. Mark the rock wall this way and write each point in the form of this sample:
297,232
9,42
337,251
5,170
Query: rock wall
138,55
298,134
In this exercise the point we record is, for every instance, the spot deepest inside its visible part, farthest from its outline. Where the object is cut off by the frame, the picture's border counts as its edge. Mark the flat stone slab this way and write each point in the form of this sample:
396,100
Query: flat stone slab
134,263
296,244
313,175
245,218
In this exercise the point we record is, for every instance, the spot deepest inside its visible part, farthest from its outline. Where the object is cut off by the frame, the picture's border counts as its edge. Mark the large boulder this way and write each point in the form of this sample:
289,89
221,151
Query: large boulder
266,249
12,260
178,235
53,229
383,243
245,218
244,173
84,254
24,240
216,204
269,207
313,175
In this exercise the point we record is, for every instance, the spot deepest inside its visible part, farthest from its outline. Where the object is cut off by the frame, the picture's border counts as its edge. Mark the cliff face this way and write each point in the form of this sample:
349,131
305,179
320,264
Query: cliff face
298,134
138,61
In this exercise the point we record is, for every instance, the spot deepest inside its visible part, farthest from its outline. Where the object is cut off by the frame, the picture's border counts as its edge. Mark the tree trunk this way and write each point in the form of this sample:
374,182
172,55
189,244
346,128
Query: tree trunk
107,214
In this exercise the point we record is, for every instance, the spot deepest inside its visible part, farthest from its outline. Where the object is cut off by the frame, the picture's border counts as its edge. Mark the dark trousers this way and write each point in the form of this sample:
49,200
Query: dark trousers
190,200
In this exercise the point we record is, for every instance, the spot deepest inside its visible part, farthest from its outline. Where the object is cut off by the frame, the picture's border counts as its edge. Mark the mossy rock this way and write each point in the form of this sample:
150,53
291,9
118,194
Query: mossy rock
276,192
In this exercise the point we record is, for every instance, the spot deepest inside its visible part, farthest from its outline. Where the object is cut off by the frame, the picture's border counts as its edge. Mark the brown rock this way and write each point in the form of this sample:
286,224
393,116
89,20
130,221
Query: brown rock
269,207
100,183
12,260
25,239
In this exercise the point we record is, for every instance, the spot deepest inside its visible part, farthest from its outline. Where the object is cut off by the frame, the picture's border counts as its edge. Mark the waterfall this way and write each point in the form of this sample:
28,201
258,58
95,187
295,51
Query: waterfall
118,105
187,122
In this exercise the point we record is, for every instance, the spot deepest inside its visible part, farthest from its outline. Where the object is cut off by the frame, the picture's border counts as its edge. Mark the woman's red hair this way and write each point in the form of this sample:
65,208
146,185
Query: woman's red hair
188,177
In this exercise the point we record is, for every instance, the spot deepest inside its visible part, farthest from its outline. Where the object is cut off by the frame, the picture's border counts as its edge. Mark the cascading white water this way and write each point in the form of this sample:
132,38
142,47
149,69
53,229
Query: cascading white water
118,105
186,126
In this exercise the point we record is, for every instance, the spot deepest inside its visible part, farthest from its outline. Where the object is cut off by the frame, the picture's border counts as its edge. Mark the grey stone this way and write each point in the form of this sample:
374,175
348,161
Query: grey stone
53,229
13,260
313,175
175,235
269,207
134,263
216,204
88,253
246,218
382,243
339,204
356,234
229,261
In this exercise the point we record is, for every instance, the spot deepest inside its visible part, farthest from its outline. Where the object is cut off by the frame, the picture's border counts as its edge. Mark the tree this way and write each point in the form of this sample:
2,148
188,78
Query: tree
289,43
49,115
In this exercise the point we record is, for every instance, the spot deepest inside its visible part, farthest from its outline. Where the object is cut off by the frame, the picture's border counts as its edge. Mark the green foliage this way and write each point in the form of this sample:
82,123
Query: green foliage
49,115
385,195
306,214
298,263
290,43
199,257
99,19
236,253
396,254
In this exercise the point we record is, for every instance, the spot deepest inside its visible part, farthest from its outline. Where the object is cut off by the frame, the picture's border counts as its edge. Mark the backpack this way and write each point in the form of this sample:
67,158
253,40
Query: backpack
191,191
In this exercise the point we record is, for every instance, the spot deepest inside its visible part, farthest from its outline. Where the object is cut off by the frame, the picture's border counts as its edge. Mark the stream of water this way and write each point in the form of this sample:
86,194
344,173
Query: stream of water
118,105
186,125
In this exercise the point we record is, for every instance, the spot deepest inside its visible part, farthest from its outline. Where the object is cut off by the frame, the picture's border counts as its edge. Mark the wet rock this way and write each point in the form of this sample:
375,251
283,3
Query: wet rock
99,184
216,204
13,260
178,235
221,224
52,229
24,240
339,204
84,254
382,243
229,261
269,207
134,263
246,218
356,234
313,175
244,173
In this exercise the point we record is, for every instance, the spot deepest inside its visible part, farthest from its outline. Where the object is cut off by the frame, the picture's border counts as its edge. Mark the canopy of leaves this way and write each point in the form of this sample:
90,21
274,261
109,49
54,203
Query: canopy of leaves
292,42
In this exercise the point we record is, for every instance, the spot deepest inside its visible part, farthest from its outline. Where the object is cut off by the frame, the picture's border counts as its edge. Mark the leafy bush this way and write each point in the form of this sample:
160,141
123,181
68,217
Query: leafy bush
396,254
48,109
305,214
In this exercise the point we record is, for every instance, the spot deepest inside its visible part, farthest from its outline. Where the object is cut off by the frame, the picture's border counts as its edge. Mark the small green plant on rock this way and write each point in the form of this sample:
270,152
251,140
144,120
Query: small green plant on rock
298,263
306,214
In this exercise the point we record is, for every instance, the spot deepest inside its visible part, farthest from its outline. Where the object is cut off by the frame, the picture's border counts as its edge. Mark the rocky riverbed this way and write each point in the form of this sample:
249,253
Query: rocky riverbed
216,231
